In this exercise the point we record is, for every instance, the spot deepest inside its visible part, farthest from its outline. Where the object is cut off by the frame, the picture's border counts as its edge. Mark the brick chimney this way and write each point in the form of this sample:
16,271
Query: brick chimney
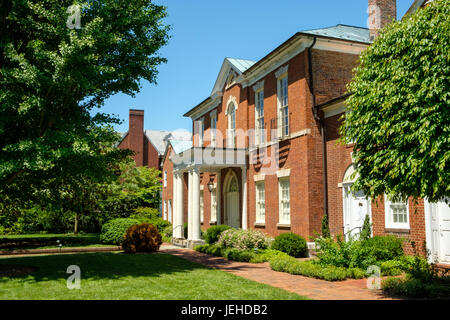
136,135
381,13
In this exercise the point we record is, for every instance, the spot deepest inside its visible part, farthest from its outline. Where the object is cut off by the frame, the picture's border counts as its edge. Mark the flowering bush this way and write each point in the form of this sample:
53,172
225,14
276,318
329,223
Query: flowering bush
243,239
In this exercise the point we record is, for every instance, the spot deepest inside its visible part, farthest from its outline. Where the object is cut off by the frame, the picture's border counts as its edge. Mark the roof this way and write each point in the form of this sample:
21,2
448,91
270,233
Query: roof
339,32
343,32
241,64
159,138
180,145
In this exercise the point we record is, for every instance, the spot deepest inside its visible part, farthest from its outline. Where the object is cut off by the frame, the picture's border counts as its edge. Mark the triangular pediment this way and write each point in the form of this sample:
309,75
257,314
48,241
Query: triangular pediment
231,69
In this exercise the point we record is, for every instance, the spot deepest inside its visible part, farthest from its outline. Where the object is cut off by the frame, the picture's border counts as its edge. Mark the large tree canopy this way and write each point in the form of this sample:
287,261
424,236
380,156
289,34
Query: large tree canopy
399,113
52,77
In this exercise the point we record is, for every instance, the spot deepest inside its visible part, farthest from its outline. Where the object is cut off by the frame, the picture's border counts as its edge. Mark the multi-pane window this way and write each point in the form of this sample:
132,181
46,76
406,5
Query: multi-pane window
201,132
214,205
284,201
283,110
170,210
396,213
213,130
231,126
165,179
201,207
165,210
260,202
259,117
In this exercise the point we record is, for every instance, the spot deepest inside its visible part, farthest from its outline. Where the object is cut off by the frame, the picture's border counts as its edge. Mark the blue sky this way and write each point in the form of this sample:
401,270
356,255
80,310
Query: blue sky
204,32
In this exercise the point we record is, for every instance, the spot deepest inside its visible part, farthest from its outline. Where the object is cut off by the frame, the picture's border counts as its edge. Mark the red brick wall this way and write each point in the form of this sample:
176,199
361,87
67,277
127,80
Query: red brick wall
135,140
339,159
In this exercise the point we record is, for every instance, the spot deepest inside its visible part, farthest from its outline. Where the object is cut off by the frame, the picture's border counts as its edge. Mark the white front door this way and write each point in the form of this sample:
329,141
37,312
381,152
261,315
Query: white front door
440,231
233,209
356,207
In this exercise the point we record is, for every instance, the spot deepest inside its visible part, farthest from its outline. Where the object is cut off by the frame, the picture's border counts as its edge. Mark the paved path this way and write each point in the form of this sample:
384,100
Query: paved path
304,286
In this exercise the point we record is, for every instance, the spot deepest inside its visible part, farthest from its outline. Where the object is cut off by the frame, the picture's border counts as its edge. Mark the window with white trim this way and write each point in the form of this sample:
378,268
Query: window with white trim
165,210
259,117
201,132
260,202
284,197
396,213
170,210
202,213
231,125
214,205
213,130
283,106
165,179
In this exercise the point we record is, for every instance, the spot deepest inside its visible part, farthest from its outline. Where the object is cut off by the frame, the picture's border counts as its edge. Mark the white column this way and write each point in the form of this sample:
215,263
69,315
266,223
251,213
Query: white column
244,197
175,203
195,204
180,206
190,189
219,198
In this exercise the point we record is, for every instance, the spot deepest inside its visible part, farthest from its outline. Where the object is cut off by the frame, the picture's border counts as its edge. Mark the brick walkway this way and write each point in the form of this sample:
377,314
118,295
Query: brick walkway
304,286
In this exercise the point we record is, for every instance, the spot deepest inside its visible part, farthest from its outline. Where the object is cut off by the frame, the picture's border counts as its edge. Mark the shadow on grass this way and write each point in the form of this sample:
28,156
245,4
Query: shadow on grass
96,266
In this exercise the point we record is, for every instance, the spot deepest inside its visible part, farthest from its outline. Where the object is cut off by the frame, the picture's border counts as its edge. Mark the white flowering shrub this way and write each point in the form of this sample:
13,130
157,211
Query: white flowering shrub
243,239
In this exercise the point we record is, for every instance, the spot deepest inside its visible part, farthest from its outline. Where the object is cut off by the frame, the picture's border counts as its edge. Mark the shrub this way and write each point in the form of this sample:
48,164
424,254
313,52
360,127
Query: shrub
290,243
238,255
310,269
150,213
366,231
243,239
151,216
143,237
415,288
360,253
325,227
266,255
114,230
167,234
392,267
213,233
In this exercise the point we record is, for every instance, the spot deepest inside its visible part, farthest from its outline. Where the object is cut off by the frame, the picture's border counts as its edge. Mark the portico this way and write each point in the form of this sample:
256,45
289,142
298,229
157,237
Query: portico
188,168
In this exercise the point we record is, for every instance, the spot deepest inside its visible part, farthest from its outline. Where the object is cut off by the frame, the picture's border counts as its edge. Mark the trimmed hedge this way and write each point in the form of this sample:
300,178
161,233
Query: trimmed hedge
292,244
314,270
213,233
114,230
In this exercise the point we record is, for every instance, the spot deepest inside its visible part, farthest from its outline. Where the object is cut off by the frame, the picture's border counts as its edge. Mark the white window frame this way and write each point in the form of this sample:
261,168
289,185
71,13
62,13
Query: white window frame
165,179
260,196
259,117
284,219
201,132
213,117
214,205
169,210
389,217
231,136
165,210
283,109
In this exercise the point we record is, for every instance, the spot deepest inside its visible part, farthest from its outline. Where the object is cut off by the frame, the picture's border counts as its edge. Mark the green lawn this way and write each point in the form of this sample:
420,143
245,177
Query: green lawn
121,276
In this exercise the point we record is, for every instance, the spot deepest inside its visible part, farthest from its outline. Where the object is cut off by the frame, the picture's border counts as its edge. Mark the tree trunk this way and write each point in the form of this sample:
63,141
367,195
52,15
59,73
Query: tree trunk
77,218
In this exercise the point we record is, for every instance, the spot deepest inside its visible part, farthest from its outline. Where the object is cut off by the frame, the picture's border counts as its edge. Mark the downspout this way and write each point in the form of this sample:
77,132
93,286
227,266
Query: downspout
322,129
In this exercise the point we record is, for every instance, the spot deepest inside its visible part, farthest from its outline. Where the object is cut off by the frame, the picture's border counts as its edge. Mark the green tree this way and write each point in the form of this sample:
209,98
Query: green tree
52,77
366,231
399,113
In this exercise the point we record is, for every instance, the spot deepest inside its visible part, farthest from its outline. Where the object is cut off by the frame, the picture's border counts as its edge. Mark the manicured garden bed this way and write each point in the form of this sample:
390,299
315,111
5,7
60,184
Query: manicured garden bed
125,276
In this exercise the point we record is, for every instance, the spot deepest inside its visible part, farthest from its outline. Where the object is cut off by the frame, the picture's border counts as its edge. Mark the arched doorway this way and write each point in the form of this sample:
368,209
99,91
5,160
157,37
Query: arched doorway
356,205
231,203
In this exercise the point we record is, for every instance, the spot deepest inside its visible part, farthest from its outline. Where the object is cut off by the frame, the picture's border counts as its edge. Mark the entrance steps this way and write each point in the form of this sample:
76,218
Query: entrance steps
185,243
